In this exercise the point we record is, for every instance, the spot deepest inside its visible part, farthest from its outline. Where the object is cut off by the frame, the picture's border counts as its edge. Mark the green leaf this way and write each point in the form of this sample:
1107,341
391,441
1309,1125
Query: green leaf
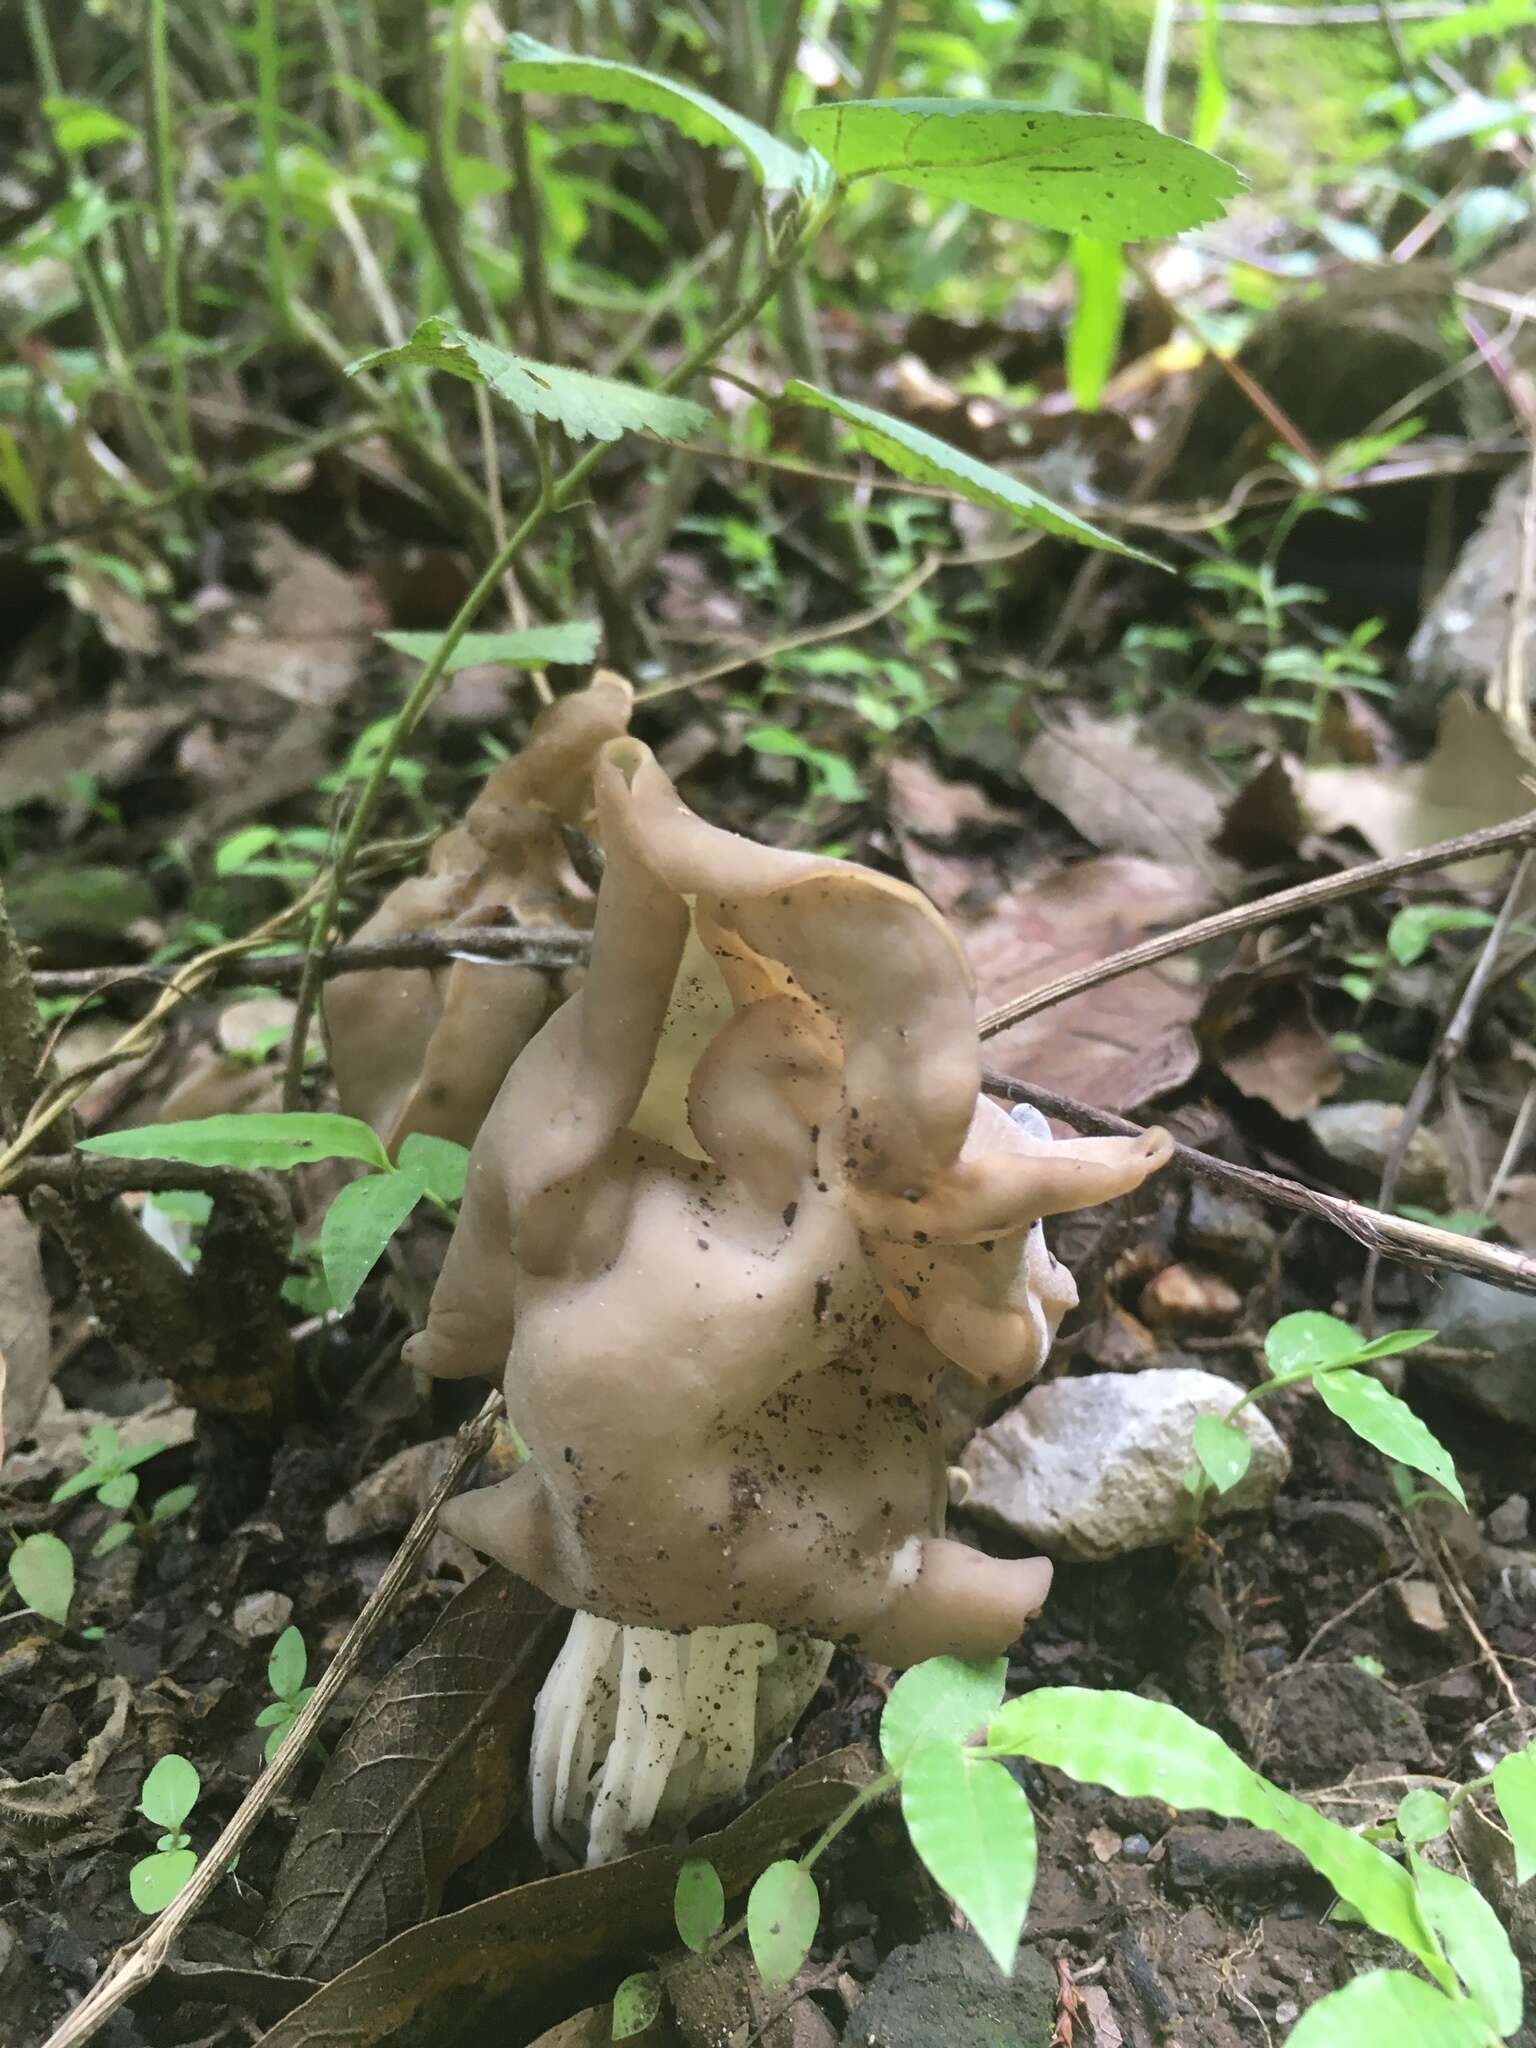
1514,1791
112,1538
927,460
1384,2008
1143,1749
358,1225
535,67
1410,932
1491,18
635,2004
1093,339
275,1140
1223,1450
154,1881
287,1664
1422,1815
972,1827
77,1483
1091,174
173,1503
944,1700
1388,1424
43,1573
783,1912
573,644
80,125
698,1903
1475,1943
587,407
437,1165
1303,1342
170,1792
120,1491
1211,89
276,1714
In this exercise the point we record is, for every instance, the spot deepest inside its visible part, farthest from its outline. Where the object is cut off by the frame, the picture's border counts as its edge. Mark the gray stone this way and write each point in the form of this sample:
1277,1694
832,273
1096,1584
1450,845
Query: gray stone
25,1344
1091,1468
261,1615
1463,639
1510,1522
1317,1722
1357,1136
1473,1316
945,1991
1231,1233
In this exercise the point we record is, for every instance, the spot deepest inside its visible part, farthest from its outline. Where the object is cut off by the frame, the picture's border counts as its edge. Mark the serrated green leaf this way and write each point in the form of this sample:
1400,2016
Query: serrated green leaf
783,1912
287,1664
437,1165
1144,1749
1223,1450
170,1791
572,644
112,1538
698,1903
43,1573
358,1225
1475,1943
588,408
1423,1815
925,459
1093,339
944,1700
635,2004
1105,175
274,1140
1384,2008
1388,1424
1514,1790
972,1827
1410,932
535,67
155,1880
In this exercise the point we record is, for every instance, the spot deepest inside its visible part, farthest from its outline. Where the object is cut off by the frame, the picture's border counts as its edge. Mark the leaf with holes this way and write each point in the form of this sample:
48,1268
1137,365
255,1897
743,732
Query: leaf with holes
534,67
927,460
274,1140
1389,1425
1388,2006
698,1903
945,1699
1514,1789
1105,175
571,644
972,1827
1143,1749
588,408
358,1225
1223,1450
1475,1943
783,1912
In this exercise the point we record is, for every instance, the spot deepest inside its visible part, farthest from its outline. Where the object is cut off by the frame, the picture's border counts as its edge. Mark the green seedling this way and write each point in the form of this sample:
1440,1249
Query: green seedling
286,1669
169,1795
111,1475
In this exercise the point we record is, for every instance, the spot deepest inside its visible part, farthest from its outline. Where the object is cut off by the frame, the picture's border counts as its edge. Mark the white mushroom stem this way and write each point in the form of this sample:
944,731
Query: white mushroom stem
638,1731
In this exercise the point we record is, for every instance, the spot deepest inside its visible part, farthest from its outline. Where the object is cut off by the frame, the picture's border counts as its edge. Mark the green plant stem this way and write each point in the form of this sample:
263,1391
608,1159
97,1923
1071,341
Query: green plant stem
553,497
163,145
268,114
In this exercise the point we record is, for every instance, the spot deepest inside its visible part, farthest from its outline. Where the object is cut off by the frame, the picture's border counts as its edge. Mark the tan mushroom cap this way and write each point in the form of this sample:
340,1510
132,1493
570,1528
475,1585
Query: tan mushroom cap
425,1049
723,1286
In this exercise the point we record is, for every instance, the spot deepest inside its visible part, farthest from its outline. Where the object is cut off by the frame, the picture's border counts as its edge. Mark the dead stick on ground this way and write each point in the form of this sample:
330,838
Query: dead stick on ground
133,1967
1444,1055
1268,910
1419,1243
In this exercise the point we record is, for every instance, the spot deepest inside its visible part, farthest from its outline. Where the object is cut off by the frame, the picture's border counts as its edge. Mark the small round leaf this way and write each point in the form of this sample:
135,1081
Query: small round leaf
635,2004
155,1880
783,1911
1422,1815
698,1903
43,1573
170,1791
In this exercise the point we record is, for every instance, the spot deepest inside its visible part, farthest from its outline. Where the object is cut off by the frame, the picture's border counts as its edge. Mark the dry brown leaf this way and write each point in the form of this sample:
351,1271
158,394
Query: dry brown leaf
1117,1046
305,640
1280,1054
1125,796
25,1349
103,747
88,1799
934,818
1474,777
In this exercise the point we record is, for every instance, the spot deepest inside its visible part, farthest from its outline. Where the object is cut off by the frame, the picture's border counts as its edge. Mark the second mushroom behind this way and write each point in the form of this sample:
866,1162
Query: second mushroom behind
735,1211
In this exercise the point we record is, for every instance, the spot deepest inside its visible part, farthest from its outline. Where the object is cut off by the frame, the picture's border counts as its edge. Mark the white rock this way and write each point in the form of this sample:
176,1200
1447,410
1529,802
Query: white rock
1090,1468
260,1615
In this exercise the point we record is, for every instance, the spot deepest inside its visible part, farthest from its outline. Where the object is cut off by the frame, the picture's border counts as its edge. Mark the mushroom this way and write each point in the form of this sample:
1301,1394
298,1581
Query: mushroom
425,1049
736,1209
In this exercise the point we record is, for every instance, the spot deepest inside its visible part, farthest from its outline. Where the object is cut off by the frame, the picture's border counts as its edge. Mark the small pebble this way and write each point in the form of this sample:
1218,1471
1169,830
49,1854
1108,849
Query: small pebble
1186,1298
1286,2011
1420,1605
1510,1522
1135,1848
261,1615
